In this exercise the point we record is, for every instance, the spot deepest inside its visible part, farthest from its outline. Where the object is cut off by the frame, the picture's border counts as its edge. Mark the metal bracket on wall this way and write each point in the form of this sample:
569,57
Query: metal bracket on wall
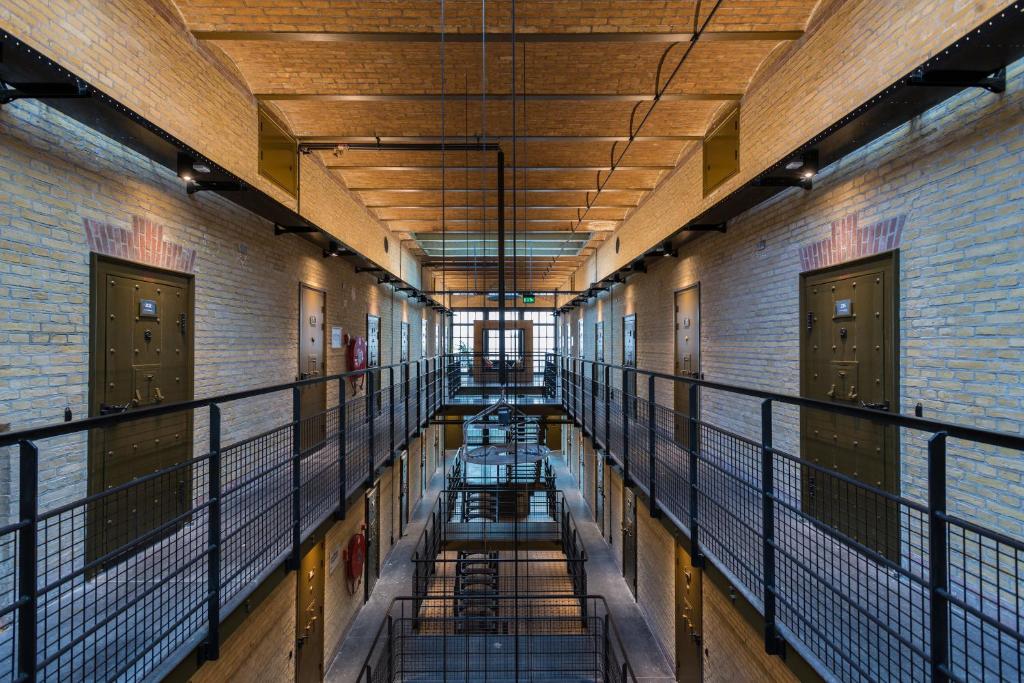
292,229
194,186
993,82
9,92
705,227
781,181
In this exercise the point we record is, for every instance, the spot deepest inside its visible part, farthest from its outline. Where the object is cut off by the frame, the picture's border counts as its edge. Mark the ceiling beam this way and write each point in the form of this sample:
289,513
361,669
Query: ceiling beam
391,169
331,142
488,189
500,97
495,37
508,209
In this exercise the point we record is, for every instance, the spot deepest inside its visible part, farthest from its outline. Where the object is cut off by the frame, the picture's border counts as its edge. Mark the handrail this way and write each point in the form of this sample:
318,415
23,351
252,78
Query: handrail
953,430
725,491
197,523
95,422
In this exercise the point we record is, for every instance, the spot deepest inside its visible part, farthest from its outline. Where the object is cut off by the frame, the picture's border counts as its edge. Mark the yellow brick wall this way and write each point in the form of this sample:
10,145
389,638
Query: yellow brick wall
141,54
656,586
246,285
951,175
613,502
263,646
854,50
733,649
341,607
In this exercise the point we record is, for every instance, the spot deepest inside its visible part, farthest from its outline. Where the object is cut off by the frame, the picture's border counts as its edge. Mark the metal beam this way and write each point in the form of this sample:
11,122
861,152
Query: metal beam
500,97
331,142
495,37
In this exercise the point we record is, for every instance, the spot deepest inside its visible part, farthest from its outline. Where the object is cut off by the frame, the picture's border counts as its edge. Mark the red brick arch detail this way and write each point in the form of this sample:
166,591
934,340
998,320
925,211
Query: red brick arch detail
144,243
848,242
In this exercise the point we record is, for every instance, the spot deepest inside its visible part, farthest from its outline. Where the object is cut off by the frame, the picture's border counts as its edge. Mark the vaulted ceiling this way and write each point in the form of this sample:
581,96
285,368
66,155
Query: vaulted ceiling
608,97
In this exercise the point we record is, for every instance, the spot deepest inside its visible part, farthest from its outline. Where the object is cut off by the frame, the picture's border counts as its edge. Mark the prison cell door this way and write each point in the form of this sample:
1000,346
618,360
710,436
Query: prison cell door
403,493
629,361
689,619
403,352
141,357
581,459
372,533
629,537
309,617
848,358
423,465
687,360
373,353
312,398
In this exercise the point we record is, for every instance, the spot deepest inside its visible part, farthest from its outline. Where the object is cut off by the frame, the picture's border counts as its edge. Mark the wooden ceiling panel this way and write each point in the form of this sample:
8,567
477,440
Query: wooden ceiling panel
336,69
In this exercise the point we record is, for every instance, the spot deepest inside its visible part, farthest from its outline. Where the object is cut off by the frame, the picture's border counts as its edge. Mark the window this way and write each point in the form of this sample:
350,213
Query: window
462,330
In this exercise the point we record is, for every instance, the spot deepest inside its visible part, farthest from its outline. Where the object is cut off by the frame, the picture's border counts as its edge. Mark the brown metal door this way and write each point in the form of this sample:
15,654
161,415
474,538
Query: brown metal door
687,360
689,618
403,493
629,540
309,617
373,352
629,361
312,398
372,533
142,357
848,358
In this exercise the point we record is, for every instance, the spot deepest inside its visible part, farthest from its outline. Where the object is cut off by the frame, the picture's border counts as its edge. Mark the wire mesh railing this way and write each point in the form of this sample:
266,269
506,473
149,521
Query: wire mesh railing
524,637
122,582
868,581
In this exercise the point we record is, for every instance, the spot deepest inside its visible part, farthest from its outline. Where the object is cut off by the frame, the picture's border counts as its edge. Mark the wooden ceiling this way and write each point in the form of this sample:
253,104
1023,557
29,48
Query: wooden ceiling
586,76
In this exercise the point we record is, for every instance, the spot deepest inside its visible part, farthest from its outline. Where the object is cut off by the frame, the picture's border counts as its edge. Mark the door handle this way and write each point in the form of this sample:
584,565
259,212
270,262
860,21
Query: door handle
158,395
832,392
111,408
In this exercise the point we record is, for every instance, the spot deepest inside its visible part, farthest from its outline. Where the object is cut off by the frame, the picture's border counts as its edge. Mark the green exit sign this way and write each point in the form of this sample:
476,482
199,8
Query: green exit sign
529,299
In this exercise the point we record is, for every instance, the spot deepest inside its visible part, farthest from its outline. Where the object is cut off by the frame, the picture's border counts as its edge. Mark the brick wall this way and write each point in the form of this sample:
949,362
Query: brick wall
61,177
733,649
655,578
613,503
951,178
851,51
141,54
263,646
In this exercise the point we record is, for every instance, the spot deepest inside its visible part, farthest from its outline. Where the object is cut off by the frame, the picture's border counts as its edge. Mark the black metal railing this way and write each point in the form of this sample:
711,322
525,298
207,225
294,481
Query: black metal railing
123,582
496,516
868,580
520,638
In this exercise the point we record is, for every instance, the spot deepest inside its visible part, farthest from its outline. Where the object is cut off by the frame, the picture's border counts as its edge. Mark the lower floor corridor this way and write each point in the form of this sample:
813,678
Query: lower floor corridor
603,579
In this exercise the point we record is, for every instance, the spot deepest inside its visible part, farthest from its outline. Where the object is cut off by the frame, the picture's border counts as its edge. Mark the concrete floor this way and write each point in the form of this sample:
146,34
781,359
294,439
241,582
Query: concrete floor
603,576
